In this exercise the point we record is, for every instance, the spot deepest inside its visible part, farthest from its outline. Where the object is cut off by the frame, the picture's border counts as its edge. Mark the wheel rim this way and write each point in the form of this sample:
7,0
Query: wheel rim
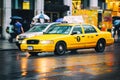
60,49
101,46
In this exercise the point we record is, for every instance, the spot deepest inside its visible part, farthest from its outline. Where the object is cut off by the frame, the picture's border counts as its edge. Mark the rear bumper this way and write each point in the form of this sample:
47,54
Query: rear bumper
110,41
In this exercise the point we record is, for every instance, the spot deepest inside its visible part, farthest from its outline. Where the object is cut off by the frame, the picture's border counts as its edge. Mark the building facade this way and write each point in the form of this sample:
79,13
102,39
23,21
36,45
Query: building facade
27,9
1,12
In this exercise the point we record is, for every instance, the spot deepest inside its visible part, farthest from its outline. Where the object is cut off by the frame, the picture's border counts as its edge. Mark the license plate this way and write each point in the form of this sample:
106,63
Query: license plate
30,48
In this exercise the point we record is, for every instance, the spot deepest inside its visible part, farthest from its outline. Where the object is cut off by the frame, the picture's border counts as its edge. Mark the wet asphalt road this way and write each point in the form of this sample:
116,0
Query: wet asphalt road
84,65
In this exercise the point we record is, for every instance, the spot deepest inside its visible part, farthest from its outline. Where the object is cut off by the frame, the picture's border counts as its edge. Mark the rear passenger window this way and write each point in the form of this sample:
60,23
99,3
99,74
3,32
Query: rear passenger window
77,29
89,29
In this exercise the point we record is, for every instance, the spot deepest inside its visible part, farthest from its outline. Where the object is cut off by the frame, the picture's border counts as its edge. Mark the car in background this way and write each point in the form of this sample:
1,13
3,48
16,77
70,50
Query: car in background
63,37
36,29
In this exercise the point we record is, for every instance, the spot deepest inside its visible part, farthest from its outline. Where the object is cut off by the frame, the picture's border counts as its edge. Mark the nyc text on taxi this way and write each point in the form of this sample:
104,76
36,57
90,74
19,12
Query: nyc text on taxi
62,37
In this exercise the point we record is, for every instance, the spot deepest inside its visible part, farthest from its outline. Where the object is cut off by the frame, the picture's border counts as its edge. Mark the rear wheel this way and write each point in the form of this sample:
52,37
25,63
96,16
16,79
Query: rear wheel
100,47
33,53
60,48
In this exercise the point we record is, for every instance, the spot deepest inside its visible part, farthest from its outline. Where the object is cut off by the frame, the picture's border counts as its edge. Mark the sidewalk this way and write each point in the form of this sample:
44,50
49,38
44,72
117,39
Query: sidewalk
5,45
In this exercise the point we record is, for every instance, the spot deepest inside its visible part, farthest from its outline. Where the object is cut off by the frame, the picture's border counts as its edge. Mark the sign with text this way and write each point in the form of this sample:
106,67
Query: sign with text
26,5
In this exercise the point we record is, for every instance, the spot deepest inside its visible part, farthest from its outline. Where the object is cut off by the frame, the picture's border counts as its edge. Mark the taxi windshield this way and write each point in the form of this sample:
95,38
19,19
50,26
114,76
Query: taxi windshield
57,29
38,28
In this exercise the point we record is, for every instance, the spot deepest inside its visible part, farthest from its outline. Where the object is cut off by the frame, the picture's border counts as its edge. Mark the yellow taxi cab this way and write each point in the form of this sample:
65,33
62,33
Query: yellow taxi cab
62,37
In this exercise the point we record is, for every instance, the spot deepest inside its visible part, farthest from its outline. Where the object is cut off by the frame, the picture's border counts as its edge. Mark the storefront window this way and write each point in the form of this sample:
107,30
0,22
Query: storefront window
60,2
23,4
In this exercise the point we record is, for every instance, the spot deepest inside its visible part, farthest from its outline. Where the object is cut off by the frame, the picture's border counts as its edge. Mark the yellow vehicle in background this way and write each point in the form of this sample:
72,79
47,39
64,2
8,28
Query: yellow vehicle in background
62,37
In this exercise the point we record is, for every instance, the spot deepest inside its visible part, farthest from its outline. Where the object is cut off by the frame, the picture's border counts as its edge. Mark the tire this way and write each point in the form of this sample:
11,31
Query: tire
60,48
33,53
100,47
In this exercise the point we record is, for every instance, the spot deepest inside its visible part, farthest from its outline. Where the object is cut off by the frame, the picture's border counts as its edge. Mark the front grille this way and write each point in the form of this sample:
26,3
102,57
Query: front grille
32,41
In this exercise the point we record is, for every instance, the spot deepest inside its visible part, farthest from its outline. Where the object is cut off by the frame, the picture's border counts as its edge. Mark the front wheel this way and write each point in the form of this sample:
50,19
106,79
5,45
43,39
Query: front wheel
60,48
100,47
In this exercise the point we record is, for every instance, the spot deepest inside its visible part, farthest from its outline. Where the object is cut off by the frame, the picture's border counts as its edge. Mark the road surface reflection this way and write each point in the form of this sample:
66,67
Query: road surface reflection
93,64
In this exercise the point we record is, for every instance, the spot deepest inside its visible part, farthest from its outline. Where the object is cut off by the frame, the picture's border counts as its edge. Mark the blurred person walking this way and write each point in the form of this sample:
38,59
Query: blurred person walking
10,31
116,30
18,29
32,23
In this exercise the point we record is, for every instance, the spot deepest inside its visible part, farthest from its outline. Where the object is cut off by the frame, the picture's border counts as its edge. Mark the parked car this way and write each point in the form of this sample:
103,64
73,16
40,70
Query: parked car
37,29
63,37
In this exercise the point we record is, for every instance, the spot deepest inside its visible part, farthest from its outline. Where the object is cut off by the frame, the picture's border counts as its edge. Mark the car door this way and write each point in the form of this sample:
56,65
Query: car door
90,36
77,38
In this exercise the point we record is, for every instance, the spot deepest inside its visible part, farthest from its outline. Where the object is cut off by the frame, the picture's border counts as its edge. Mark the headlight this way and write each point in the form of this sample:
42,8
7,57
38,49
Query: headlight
20,37
23,42
47,42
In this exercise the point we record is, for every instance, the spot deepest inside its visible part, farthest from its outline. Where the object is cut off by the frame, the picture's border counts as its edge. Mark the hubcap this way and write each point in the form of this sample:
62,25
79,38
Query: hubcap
101,45
60,48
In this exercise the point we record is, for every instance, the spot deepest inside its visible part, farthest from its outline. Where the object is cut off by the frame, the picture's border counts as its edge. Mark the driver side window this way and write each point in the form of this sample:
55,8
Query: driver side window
77,29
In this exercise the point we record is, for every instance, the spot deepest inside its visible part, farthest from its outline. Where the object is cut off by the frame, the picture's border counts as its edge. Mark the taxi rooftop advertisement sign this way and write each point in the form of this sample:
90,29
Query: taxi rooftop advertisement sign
73,19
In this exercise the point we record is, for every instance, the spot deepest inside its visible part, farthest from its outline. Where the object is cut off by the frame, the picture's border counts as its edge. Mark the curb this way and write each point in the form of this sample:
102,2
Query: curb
6,46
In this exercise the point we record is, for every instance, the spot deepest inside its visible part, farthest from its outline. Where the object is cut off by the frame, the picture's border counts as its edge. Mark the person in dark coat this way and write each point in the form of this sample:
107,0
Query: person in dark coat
116,25
11,32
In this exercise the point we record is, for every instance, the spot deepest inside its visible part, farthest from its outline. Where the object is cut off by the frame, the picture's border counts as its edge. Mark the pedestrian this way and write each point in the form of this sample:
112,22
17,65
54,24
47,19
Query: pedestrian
38,20
32,23
116,25
9,30
18,29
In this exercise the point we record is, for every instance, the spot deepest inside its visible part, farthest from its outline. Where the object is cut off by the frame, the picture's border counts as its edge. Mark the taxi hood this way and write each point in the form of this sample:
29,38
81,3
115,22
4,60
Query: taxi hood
49,36
30,34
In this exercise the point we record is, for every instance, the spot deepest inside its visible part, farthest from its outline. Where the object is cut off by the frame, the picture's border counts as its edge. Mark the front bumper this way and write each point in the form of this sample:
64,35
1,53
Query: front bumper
37,47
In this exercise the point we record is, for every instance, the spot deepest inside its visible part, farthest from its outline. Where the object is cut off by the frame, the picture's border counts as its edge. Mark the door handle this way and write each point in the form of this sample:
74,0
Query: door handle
96,34
83,36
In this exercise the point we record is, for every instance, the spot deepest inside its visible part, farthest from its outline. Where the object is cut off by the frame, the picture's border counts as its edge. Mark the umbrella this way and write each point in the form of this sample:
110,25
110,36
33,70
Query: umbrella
15,17
42,16
116,22
59,20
